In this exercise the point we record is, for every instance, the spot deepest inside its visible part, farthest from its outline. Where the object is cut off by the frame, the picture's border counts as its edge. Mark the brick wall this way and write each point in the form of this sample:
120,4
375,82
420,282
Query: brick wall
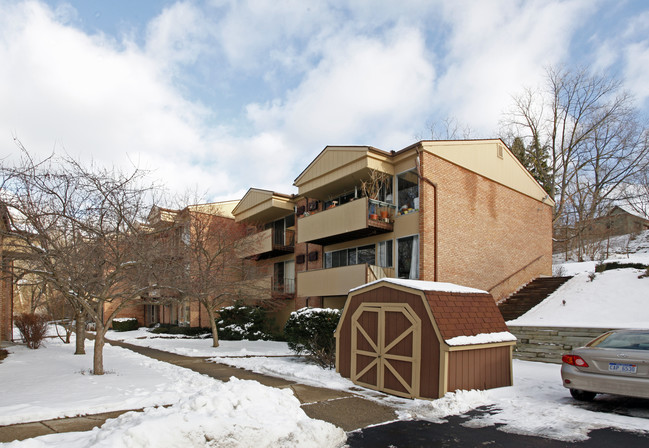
486,231
134,310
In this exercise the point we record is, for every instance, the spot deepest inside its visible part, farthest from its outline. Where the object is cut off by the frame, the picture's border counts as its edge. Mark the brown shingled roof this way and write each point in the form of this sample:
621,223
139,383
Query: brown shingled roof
465,314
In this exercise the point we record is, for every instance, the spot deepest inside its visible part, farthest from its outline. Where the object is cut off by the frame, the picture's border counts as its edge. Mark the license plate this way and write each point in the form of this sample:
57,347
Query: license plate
624,368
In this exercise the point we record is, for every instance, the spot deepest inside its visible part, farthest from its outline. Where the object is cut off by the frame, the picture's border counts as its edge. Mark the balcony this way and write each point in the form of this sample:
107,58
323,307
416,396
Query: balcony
283,288
338,281
356,219
267,244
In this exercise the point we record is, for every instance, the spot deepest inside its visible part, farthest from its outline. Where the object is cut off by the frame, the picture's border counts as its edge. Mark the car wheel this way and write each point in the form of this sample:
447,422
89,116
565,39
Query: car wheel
582,395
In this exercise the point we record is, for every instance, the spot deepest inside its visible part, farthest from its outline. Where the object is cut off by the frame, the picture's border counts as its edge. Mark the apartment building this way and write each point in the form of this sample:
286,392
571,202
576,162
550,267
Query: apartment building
175,228
464,212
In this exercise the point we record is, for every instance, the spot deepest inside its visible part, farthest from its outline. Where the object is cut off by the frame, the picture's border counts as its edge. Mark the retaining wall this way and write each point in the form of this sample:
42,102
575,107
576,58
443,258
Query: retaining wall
548,344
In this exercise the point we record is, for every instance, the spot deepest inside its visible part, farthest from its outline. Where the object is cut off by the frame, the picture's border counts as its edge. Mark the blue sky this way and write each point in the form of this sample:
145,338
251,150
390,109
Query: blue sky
220,95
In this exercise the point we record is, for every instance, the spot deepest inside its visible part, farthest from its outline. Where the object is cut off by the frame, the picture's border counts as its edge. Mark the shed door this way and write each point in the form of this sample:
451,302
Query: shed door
386,348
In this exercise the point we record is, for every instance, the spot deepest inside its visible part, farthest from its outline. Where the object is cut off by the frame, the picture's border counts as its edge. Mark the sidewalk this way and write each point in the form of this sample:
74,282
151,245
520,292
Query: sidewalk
343,409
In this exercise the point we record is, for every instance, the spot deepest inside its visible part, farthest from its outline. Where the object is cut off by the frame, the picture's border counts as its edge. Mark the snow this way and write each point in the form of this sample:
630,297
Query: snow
197,347
422,285
612,299
482,338
51,382
537,404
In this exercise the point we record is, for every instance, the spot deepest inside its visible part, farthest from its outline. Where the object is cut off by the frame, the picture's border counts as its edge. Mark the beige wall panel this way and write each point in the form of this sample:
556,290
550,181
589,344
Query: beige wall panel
334,302
330,282
482,157
257,243
342,219
406,225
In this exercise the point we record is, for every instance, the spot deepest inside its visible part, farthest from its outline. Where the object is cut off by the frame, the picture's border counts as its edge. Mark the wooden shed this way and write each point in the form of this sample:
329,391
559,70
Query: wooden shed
421,339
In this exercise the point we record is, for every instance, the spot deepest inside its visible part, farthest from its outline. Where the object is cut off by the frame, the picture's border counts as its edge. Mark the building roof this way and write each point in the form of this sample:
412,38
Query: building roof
263,206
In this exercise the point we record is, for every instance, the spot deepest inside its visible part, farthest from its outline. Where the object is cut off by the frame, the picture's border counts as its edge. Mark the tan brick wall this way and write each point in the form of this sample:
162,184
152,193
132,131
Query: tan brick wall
134,310
486,232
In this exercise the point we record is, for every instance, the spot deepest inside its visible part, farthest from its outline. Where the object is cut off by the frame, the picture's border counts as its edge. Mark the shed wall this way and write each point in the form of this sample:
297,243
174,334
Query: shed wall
485,368
429,367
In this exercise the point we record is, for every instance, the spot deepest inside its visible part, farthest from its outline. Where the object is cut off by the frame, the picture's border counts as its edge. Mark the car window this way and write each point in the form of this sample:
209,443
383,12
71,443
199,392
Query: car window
626,341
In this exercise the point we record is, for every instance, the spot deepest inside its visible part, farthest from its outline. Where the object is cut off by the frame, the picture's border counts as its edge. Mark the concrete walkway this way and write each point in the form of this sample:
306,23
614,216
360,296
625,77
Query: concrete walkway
343,409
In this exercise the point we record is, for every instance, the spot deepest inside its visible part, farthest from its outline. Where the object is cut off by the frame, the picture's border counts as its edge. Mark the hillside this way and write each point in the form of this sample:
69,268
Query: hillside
616,298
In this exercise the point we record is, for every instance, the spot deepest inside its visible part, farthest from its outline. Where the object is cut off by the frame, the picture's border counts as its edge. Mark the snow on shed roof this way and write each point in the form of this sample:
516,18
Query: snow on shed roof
422,285
482,338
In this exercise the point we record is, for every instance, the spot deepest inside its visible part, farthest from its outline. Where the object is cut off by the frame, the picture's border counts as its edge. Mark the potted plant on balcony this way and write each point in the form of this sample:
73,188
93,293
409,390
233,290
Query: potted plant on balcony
372,187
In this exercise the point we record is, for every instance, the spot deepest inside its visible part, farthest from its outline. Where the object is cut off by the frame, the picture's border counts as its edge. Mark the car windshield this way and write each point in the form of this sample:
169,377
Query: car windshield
626,341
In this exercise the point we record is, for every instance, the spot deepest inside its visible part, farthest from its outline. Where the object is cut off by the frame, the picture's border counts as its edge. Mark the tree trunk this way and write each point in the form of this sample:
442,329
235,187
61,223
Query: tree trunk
215,330
98,357
80,329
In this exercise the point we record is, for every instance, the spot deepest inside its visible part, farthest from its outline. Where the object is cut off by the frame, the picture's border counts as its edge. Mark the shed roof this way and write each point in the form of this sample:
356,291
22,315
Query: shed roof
457,310
422,285
465,314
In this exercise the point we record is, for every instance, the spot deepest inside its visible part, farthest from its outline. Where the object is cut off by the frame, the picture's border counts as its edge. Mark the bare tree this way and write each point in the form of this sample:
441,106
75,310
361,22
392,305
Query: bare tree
80,233
590,131
636,193
216,275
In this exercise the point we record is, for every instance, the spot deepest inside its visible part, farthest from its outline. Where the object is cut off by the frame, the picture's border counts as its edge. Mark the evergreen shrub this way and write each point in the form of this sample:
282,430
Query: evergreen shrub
239,322
617,265
125,324
311,331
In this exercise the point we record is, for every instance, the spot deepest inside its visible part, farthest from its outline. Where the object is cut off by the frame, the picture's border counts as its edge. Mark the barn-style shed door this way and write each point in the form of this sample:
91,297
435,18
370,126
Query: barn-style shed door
386,348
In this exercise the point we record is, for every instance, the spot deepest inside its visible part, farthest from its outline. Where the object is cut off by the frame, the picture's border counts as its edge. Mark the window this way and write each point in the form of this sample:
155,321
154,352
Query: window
408,257
408,192
352,256
384,258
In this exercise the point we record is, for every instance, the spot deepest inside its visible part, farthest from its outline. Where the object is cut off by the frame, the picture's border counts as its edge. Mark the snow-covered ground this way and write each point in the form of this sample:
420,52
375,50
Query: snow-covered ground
616,298
51,382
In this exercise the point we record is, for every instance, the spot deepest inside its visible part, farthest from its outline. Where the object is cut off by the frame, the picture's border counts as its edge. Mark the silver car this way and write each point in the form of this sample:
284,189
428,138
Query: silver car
616,362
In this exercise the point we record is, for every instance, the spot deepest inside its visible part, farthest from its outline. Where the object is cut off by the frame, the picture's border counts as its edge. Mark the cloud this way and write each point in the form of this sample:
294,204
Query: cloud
495,48
361,91
92,96
228,94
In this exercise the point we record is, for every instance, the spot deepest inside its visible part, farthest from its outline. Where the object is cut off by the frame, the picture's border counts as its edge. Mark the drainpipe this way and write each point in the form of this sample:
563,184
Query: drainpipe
434,185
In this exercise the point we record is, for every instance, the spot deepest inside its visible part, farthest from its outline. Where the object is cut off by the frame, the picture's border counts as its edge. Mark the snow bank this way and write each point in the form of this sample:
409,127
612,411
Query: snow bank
235,414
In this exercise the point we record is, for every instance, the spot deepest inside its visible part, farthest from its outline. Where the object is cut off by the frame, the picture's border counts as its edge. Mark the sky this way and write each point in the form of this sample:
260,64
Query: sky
218,96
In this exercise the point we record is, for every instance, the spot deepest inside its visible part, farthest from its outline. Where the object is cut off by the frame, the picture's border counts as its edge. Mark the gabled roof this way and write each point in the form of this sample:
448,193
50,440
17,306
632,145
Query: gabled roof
619,209
337,162
259,205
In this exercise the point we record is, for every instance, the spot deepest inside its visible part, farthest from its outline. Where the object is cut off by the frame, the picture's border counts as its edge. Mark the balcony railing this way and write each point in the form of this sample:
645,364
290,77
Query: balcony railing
267,244
338,281
283,287
356,219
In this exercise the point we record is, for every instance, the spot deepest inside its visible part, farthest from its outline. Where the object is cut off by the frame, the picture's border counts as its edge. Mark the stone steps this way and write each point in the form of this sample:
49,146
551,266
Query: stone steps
529,296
